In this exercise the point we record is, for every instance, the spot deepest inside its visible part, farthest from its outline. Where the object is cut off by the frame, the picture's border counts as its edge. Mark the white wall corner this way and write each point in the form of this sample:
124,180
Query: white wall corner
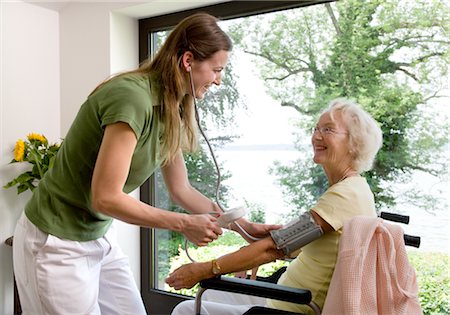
29,102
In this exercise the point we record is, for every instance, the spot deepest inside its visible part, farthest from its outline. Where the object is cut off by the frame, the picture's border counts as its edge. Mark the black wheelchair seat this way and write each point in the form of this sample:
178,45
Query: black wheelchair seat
261,310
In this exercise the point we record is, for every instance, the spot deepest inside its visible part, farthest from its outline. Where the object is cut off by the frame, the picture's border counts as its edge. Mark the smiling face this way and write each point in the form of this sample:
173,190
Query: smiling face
208,72
331,144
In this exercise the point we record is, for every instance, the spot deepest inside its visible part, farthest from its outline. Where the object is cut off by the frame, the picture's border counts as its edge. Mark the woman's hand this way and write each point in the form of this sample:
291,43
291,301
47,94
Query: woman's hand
256,230
201,229
188,275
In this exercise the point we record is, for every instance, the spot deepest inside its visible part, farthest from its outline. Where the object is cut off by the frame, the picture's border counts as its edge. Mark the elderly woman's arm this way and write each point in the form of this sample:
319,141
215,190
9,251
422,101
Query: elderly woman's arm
253,255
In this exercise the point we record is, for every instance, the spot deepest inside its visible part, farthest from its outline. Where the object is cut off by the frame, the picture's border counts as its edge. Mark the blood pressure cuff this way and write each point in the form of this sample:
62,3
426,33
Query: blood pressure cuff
297,233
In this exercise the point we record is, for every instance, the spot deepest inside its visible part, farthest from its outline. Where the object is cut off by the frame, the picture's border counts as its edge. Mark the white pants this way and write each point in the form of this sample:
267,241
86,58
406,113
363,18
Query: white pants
62,277
220,303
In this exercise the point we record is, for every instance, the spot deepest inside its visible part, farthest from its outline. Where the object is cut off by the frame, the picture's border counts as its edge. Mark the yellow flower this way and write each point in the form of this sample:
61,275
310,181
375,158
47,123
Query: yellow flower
19,151
39,154
37,137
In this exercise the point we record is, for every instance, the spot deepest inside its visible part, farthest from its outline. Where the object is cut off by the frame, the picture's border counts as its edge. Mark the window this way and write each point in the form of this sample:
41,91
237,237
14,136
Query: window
154,263
351,65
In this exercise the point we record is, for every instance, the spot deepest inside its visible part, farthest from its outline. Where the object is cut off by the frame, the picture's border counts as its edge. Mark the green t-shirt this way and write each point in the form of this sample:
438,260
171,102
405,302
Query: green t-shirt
313,267
61,204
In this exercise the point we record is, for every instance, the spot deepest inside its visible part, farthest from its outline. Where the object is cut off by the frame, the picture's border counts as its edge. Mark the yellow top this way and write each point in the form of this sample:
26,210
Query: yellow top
314,266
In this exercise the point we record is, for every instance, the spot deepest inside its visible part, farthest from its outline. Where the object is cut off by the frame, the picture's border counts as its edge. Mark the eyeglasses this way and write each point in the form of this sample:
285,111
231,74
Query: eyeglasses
327,131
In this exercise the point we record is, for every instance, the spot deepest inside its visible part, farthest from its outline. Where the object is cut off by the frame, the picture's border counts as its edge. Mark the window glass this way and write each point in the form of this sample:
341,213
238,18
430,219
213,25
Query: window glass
248,131
284,69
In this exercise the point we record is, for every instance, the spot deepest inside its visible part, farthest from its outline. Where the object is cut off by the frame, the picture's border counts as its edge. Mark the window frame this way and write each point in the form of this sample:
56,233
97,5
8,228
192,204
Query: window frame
157,301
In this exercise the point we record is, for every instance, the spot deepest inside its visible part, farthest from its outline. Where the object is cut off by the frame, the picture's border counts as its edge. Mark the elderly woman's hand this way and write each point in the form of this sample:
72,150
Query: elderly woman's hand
186,276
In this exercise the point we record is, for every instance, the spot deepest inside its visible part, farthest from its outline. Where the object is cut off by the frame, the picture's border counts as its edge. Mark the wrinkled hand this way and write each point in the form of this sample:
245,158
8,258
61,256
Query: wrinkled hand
256,230
201,229
186,276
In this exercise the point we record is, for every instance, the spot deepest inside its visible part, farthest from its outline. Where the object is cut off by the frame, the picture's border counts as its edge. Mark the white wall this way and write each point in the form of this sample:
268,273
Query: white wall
29,102
52,54
50,61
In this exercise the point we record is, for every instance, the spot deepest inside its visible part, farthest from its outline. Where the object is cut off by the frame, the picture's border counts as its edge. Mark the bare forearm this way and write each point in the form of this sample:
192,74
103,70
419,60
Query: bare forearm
246,258
198,229
109,177
181,191
193,201
253,255
130,210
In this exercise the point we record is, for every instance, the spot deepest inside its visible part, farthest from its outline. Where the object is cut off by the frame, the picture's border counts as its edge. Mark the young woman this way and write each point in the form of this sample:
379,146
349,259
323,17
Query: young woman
66,258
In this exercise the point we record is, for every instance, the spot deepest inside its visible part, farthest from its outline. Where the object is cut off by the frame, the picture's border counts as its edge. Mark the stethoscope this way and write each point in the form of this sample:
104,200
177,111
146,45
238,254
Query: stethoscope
216,165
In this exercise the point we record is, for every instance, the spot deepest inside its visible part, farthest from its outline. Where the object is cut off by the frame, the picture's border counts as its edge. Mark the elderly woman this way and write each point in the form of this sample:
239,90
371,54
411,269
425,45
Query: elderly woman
345,142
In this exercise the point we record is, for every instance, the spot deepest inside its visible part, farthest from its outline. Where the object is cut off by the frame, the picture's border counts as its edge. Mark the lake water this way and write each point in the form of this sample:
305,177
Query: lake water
252,182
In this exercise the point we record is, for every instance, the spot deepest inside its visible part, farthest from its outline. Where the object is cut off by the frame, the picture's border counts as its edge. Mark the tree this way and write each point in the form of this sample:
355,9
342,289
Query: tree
389,56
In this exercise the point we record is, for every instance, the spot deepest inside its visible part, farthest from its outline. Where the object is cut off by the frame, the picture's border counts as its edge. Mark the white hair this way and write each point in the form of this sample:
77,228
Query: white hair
365,135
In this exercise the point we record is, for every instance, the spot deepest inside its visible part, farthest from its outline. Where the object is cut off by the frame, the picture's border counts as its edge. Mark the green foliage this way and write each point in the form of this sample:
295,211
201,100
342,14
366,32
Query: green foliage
433,278
40,154
203,175
389,56
302,188
229,238
257,212
269,268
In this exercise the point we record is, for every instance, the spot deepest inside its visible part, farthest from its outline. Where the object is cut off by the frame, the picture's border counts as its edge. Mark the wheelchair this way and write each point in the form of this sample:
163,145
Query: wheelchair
267,287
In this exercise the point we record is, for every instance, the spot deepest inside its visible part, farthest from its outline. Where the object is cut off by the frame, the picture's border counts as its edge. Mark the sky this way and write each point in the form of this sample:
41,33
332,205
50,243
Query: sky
264,121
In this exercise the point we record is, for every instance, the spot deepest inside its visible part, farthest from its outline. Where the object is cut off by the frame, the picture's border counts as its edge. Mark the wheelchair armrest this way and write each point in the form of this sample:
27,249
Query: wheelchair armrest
273,278
258,288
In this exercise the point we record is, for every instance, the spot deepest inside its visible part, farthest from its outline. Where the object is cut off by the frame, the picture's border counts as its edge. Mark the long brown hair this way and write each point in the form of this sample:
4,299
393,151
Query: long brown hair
200,34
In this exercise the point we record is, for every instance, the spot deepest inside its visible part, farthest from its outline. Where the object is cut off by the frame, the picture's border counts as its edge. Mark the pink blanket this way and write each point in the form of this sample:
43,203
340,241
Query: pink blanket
372,274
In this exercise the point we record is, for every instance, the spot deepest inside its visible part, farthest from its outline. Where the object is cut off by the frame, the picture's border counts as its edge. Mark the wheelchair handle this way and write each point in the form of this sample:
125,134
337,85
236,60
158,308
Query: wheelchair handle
395,217
411,240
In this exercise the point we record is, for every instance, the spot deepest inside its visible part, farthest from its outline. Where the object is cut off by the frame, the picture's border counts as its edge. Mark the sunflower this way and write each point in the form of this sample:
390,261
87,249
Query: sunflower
37,137
40,155
19,150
